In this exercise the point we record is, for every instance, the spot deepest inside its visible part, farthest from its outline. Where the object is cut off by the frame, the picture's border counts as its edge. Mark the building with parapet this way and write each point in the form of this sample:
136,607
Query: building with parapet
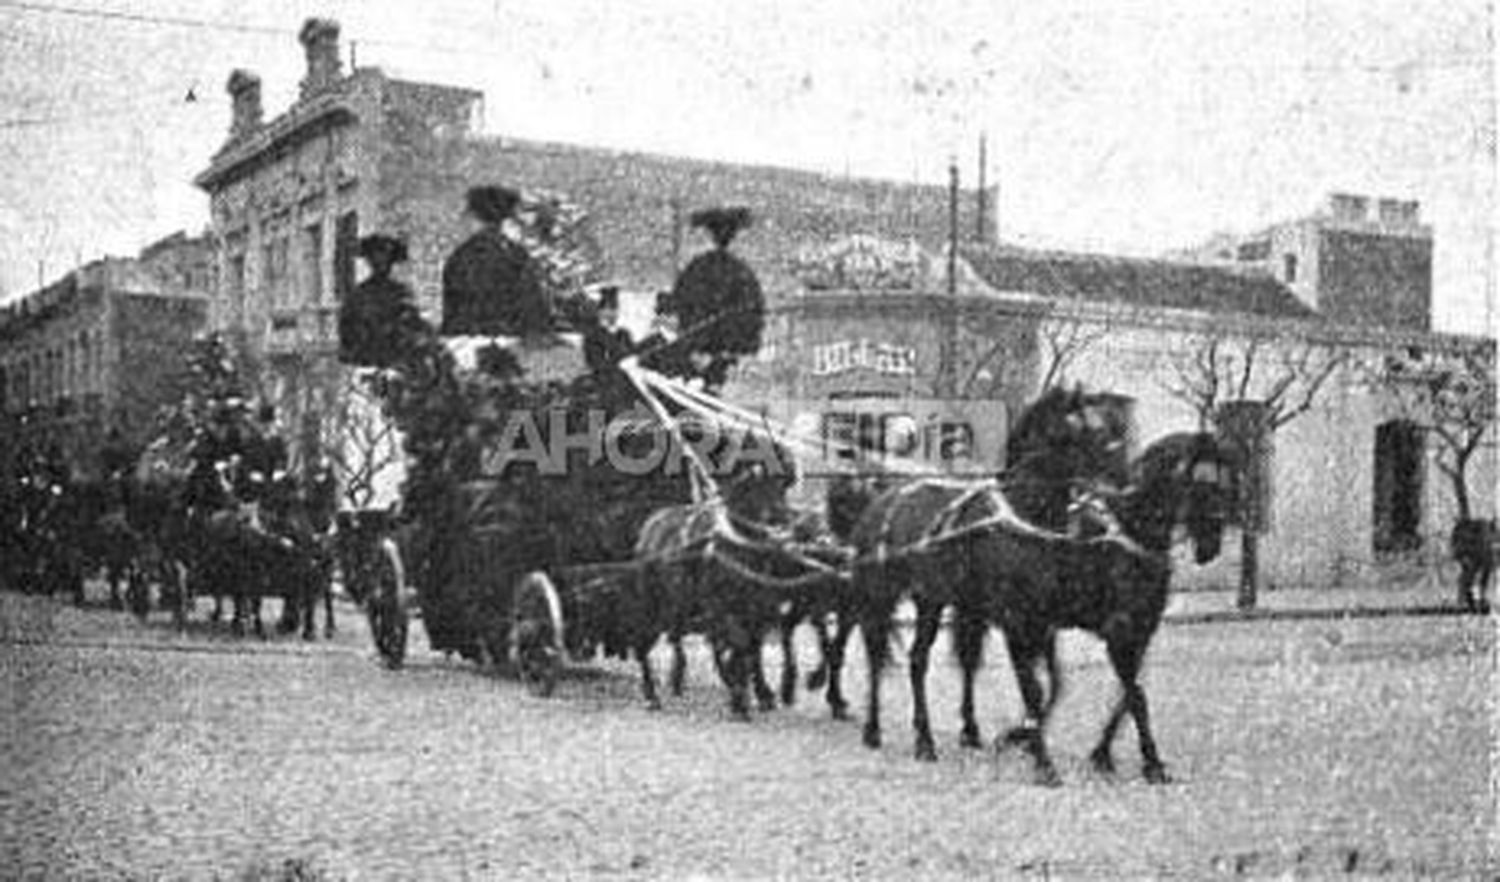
101,348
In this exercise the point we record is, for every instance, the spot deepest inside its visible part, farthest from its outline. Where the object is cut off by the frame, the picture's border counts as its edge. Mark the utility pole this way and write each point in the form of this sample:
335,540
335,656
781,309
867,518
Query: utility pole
949,378
982,197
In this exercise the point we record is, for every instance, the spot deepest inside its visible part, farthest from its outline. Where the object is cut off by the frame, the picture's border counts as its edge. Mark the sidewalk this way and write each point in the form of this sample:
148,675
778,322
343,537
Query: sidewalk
1368,601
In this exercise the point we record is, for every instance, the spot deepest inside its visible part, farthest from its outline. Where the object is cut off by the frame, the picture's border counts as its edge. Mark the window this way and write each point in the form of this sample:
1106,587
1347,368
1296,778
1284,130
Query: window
237,287
273,254
1398,486
1289,264
346,244
312,263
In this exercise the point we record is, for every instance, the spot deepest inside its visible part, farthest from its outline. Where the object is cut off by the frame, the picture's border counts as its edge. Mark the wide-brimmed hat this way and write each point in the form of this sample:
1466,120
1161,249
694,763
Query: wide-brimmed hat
609,297
722,222
379,243
492,204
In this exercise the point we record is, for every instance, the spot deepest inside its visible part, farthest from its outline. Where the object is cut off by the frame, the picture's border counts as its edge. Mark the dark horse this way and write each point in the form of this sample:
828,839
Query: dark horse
1032,583
693,560
1473,544
1066,441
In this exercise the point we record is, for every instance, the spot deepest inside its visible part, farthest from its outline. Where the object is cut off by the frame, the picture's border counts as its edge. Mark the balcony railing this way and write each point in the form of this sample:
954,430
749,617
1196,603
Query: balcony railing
311,330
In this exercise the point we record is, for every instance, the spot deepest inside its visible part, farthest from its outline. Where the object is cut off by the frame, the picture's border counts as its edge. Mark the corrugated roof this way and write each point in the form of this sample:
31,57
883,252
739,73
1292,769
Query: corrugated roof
1134,282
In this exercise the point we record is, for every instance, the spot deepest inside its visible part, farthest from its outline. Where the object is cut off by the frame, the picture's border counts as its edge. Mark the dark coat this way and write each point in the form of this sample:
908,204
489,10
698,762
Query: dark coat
719,304
377,322
604,348
492,287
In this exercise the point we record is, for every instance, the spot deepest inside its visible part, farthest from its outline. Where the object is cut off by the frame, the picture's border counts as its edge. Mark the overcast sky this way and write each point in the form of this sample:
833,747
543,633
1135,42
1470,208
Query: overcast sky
1130,127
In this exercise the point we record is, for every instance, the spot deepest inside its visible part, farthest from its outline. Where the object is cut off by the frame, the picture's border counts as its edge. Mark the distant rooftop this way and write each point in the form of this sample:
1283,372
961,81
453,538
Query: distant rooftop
1134,282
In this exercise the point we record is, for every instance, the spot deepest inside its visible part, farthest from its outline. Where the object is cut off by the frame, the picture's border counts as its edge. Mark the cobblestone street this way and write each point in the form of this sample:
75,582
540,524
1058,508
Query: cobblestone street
1306,748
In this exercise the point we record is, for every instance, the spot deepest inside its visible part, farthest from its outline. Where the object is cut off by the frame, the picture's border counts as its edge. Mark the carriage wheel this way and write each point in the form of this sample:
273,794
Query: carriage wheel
386,604
536,634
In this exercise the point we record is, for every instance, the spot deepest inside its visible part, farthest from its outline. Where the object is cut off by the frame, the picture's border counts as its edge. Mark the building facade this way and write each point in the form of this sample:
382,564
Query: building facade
101,349
361,153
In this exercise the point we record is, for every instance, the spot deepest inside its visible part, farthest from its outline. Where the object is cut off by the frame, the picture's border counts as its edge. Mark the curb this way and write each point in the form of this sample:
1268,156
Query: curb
1262,615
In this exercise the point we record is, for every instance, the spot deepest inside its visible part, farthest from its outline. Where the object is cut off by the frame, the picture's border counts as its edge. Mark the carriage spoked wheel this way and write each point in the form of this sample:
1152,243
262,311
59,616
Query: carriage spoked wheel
386,603
536,633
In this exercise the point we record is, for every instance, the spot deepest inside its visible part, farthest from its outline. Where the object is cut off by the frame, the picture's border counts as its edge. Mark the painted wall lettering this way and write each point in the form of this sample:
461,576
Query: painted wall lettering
849,355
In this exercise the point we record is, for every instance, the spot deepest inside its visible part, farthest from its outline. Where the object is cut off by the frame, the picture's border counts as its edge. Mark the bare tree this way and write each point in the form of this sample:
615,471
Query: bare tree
363,443
1247,386
1450,395
1063,337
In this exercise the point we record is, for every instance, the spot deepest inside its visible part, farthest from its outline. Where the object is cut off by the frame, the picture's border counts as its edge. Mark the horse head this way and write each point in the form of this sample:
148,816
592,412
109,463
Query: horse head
1187,479
755,478
1067,438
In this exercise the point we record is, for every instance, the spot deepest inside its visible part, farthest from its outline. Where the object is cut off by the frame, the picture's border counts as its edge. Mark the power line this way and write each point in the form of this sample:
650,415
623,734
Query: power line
141,18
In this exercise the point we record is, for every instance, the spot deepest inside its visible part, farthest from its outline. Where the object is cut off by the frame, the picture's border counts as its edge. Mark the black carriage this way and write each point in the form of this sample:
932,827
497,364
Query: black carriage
503,556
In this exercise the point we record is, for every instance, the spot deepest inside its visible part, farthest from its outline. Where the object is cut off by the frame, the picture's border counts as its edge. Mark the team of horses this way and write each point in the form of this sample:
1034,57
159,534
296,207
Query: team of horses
163,530
1016,552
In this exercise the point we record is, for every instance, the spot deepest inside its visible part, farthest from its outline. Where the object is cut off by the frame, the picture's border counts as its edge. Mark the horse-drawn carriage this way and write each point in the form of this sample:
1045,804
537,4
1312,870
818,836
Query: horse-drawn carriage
528,544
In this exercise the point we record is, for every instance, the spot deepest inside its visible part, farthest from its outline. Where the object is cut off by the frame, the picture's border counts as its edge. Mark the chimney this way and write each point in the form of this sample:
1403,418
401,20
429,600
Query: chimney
1348,207
320,39
1399,212
244,93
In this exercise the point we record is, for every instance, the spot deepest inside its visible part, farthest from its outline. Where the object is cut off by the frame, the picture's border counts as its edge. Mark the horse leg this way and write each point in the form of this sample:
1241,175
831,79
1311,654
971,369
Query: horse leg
875,626
833,663
325,587
788,624
1023,658
765,697
969,631
649,691
1054,675
929,617
679,662
1126,656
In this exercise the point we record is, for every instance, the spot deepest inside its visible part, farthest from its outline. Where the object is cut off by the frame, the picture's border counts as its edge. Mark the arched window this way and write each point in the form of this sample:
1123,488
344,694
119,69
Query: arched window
1398,486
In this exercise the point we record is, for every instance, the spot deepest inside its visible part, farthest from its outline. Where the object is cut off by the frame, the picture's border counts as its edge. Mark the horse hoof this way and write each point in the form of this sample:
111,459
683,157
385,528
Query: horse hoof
1016,736
872,738
1104,763
1046,776
970,738
926,753
1157,774
839,711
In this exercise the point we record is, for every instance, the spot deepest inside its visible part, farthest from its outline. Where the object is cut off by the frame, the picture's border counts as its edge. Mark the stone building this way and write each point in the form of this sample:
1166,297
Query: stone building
360,152
101,348
1358,260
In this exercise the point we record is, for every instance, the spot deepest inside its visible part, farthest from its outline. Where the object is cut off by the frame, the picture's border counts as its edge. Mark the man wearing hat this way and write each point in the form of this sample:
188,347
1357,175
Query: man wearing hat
491,286
718,299
380,314
605,343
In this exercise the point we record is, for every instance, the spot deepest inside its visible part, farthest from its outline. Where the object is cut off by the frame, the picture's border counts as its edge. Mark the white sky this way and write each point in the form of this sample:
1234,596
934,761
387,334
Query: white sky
1131,126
